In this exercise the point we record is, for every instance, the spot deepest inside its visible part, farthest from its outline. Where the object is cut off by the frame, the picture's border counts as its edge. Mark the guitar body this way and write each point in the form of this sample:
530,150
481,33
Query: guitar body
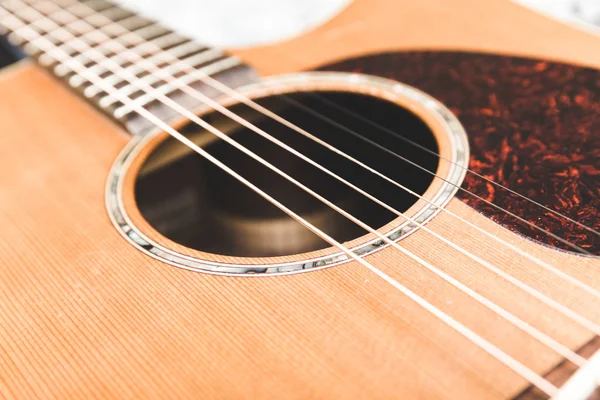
87,315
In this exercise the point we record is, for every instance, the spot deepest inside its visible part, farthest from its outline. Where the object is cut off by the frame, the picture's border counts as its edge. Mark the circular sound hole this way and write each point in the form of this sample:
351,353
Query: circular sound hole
196,204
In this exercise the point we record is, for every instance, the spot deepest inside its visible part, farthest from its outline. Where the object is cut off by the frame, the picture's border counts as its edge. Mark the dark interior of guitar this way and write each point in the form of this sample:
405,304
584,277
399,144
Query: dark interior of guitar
196,204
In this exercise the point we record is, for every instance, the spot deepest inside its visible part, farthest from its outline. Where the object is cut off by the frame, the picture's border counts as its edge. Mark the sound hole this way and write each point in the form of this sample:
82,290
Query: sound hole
194,203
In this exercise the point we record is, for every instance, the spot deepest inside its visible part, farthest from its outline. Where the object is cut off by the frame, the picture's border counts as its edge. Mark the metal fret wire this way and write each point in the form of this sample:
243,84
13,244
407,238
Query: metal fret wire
550,268
107,101
143,49
194,60
555,305
37,40
143,45
190,57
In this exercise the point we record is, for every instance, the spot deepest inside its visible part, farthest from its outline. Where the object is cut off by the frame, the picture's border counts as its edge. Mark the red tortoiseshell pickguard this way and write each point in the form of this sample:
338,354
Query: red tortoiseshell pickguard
533,127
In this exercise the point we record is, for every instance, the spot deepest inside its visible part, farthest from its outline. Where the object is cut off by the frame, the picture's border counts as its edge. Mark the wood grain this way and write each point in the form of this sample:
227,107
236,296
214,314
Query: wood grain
85,315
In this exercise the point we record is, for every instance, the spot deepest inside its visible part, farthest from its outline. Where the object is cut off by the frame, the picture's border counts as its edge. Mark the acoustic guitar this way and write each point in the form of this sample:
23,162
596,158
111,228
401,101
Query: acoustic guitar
403,203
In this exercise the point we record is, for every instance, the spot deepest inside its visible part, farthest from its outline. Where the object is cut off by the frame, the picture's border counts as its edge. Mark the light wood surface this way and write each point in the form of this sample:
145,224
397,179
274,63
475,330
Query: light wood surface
85,315
373,26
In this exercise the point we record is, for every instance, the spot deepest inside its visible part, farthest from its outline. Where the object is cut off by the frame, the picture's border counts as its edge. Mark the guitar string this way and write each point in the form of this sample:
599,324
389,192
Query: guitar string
215,83
219,86
403,158
545,265
205,78
423,148
497,184
541,263
396,135
189,115
548,209
555,305
534,336
563,350
20,28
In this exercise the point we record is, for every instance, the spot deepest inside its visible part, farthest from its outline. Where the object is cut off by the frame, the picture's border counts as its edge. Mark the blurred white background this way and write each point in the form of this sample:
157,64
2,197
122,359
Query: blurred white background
237,23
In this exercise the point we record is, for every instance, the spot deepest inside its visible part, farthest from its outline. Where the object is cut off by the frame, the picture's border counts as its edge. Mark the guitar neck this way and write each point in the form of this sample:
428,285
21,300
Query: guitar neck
123,49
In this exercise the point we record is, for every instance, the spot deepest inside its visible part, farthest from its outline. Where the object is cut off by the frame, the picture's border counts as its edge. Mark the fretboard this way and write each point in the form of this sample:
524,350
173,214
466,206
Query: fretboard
123,49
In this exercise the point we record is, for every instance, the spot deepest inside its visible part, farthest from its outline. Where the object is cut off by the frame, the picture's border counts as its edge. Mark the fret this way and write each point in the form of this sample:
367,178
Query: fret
96,5
178,68
115,13
133,68
167,88
134,22
64,18
93,38
106,25
84,59
91,91
136,69
166,42
57,38
100,25
153,47
142,49
116,45
163,59
194,61
146,34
